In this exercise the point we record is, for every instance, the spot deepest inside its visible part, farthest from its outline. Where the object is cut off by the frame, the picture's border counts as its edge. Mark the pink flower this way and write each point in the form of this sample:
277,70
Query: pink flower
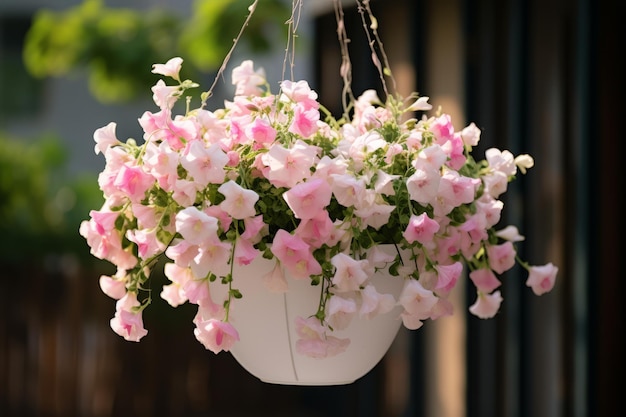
423,185
105,138
216,335
510,233
340,311
486,305
417,300
299,92
317,231
170,69
261,132
127,322
314,342
304,121
163,95
246,80
541,278
114,286
239,202
245,252
484,279
195,226
502,161
205,165
374,303
147,242
349,272
501,257
471,135
174,293
133,182
213,257
295,255
421,229
447,276
287,167
254,228
308,199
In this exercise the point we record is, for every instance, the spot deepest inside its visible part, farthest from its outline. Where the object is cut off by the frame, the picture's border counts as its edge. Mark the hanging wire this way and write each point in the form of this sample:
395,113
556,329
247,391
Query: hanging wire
371,30
220,72
290,49
345,70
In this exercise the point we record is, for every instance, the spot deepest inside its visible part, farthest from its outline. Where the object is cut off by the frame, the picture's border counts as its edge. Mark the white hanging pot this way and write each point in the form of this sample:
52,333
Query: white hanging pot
267,334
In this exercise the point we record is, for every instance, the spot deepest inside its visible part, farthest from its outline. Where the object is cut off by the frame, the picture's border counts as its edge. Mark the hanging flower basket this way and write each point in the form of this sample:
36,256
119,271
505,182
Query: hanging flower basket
270,195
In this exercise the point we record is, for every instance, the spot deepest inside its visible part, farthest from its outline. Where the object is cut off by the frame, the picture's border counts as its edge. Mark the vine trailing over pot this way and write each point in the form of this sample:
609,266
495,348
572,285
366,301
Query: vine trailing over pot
275,175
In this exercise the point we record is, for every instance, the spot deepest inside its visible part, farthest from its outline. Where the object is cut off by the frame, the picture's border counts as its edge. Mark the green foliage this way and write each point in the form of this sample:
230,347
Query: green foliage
41,206
117,46
214,25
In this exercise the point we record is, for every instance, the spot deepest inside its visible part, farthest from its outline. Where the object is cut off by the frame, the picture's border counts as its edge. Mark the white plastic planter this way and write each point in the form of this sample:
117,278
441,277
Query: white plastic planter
266,325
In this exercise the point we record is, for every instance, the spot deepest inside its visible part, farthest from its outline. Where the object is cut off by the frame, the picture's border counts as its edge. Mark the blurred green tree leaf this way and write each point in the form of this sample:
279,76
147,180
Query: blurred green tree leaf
116,45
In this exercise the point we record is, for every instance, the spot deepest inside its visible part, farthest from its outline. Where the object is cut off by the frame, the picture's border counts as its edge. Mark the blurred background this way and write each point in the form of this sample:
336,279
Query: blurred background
538,77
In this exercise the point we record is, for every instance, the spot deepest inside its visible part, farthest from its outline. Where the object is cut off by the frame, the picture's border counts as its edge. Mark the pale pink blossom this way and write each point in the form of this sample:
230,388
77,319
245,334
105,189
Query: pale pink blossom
384,183
205,165
216,335
261,132
239,202
471,135
350,273
541,279
295,255
484,279
287,167
184,192
314,342
502,161
348,190
105,138
510,233
182,252
423,185
299,92
174,293
317,231
164,95
213,256
147,242
421,229
133,182
245,252
417,300
496,183
501,257
308,199
447,276
486,305
442,128
195,226
114,286
411,321
170,69
374,303
421,104
255,228
456,189
340,311
128,322
304,122
247,80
